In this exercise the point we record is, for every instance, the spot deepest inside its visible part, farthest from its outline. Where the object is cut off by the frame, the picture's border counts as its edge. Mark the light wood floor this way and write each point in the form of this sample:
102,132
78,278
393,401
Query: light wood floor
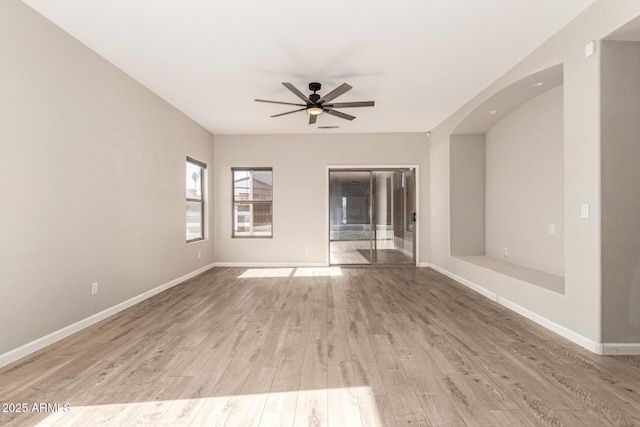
336,347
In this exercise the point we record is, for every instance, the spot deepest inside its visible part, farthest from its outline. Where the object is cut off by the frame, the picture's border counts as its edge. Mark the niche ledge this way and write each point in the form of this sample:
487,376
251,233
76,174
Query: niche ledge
528,275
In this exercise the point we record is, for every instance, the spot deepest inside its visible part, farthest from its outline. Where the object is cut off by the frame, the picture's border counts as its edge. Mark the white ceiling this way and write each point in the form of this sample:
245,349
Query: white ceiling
419,60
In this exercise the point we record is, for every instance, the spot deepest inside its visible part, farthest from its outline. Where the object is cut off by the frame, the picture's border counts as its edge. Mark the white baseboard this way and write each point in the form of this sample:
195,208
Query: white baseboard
283,264
33,346
479,289
621,349
270,264
598,348
572,336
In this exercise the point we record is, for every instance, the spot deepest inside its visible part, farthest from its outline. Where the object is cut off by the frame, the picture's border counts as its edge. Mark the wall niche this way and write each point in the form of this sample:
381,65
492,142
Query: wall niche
507,182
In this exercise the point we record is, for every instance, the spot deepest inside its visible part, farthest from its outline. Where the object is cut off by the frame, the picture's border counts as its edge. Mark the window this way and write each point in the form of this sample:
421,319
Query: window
195,200
252,202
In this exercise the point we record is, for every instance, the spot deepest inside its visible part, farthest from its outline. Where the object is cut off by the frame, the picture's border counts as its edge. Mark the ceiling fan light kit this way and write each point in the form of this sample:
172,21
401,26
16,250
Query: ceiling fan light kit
314,111
315,104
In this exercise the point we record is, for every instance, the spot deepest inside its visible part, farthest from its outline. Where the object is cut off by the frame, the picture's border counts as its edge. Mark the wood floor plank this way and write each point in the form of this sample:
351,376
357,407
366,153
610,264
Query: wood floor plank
288,347
366,370
406,403
514,417
472,410
312,403
251,402
343,405
280,406
382,414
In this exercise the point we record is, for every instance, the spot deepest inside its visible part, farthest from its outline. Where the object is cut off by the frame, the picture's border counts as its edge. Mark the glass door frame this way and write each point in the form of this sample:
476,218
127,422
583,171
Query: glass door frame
372,169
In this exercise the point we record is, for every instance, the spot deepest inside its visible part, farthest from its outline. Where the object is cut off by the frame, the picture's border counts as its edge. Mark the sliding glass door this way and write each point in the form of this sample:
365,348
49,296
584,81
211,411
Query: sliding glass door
350,220
370,216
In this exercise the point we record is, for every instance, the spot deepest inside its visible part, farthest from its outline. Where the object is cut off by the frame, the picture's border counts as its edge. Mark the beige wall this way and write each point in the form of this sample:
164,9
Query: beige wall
621,191
92,178
300,181
577,314
524,185
467,163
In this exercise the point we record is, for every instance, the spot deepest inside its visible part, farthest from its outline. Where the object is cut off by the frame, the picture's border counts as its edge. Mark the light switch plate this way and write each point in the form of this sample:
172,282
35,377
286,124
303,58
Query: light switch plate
584,210
590,49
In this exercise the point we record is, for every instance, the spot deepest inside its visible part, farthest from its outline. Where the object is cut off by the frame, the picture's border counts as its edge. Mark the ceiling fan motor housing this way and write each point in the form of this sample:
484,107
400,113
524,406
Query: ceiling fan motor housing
314,86
314,97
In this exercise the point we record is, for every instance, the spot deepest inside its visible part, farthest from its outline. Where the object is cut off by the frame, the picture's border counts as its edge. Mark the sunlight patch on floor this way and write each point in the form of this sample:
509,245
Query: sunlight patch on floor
352,406
260,273
257,273
318,271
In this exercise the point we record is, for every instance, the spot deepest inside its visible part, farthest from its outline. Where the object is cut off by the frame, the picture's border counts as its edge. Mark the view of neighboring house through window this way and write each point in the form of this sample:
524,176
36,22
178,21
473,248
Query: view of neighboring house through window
252,202
195,200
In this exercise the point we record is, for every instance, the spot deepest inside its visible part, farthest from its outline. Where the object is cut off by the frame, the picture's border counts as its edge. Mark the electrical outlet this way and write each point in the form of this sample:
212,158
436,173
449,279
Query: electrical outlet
306,250
552,229
94,288
505,252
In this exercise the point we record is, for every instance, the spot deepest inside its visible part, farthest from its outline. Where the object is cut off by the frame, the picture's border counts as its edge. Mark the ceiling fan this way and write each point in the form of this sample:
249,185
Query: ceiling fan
315,104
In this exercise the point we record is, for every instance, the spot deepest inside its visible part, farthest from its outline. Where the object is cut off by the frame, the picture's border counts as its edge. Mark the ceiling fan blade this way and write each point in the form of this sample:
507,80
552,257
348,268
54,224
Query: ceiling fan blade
312,119
350,104
339,114
278,102
335,93
299,94
289,112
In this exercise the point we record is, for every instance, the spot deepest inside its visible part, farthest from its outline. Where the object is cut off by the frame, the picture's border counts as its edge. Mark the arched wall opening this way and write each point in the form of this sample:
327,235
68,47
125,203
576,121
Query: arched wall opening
507,182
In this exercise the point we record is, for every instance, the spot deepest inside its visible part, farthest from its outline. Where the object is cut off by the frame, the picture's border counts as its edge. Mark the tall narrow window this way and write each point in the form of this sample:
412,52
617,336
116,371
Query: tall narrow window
195,200
252,202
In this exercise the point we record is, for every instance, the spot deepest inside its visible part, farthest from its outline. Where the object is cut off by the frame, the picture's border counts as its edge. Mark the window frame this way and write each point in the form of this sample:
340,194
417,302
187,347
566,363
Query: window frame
201,200
234,202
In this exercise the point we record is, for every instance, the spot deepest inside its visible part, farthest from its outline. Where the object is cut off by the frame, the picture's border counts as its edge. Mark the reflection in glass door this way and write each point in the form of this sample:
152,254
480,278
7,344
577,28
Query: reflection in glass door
370,219
350,217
